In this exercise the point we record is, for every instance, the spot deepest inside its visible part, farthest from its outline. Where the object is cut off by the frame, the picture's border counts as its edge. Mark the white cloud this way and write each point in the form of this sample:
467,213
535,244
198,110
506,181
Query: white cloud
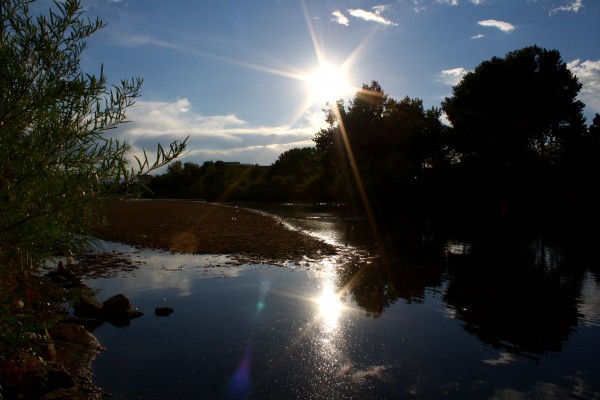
456,2
340,18
452,76
571,6
217,137
503,26
478,36
372,16
588,73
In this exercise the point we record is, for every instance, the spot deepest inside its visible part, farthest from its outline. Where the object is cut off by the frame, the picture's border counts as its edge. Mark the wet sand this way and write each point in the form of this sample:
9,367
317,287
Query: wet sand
205,228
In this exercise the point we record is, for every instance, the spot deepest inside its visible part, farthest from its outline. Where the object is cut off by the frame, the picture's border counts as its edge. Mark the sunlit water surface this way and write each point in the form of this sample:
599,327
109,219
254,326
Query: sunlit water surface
445,318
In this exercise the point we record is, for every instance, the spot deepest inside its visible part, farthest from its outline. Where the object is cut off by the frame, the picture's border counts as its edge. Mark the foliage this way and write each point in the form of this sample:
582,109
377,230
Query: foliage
214,181
517,110
56,159
381,143
296,176
519,133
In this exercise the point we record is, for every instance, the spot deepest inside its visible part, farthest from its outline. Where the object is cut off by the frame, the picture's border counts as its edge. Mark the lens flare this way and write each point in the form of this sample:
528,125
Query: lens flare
240,382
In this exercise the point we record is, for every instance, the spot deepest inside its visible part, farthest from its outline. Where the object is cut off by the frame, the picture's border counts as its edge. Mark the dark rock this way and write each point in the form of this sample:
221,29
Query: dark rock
118,311
163,311
64,276
75,335
88,308
116,305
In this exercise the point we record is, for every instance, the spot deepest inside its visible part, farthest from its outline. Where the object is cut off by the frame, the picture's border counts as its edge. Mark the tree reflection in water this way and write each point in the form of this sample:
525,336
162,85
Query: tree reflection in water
519,292
520,295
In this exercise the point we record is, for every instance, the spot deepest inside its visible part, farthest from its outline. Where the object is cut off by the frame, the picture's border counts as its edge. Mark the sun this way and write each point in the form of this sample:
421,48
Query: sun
328,83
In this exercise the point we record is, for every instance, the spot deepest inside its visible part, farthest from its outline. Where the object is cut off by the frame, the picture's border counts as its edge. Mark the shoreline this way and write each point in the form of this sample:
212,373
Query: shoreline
178,226
195,227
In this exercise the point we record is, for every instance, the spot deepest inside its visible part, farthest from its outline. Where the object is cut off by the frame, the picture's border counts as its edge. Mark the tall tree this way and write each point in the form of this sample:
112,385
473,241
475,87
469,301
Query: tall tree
380,144
512,111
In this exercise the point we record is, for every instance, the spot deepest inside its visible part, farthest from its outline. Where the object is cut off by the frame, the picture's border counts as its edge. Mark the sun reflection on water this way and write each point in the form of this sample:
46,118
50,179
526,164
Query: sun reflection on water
328,301
330,307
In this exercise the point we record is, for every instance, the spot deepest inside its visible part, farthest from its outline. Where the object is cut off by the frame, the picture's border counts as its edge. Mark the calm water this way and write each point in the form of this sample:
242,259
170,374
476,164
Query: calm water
435,316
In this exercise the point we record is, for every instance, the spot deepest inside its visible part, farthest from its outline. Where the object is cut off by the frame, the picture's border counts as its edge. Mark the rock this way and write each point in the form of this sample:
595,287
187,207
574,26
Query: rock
118,311
163,311
117,304
64,276
76,348
75,335
88,308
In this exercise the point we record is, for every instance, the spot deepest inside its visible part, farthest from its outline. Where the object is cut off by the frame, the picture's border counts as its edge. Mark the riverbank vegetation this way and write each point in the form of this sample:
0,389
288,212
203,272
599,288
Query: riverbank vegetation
57,163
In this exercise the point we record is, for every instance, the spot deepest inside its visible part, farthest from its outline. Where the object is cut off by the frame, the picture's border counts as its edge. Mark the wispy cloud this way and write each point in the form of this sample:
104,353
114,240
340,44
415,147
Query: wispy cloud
457,2
126,39
588,73
503,26
417,6
478,36
217,137
571,6
452,76
340,18
372,16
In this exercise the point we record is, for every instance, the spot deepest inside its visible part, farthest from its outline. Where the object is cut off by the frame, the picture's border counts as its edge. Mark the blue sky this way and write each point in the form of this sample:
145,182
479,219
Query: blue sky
232,74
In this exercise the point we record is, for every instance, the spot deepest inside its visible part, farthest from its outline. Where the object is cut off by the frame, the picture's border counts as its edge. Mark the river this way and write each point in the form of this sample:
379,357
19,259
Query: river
436,315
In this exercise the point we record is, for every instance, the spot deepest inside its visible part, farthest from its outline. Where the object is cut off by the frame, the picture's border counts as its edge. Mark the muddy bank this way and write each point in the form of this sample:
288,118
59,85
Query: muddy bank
205,228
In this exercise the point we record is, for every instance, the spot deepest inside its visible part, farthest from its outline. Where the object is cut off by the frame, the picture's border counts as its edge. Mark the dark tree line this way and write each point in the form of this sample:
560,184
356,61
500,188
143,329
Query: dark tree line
214,181
516,143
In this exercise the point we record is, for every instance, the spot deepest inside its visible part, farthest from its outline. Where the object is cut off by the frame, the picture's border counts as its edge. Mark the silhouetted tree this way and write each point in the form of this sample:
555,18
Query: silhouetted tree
518,132
384,143
588,154
516,110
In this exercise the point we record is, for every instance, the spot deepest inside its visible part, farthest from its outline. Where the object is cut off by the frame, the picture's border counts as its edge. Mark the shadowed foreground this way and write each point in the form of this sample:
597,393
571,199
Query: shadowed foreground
206,228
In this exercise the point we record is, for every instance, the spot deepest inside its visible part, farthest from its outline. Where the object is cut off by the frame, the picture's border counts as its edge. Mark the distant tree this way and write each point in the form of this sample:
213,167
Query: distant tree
297,162
294,175
512,111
